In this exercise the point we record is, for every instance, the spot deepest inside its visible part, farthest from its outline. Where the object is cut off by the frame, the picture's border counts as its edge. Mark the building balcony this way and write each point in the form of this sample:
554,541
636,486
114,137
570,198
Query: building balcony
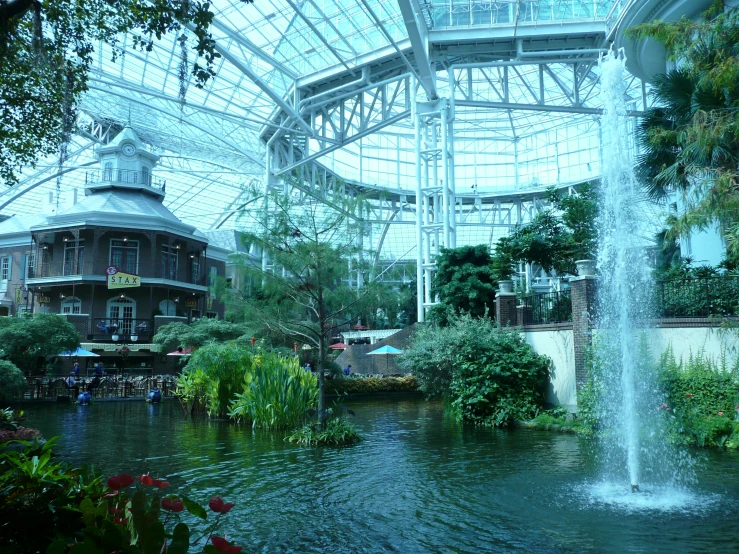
46,273
122,329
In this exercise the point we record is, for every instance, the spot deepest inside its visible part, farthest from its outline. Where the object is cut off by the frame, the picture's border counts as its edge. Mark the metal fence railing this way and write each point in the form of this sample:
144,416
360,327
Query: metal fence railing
550,307
108,386
697,297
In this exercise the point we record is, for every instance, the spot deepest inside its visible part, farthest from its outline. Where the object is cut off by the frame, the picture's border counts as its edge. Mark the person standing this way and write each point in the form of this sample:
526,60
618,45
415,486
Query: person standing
76,370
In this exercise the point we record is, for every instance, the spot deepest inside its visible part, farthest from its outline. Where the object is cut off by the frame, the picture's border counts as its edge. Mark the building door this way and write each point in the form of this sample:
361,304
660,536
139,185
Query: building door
121,314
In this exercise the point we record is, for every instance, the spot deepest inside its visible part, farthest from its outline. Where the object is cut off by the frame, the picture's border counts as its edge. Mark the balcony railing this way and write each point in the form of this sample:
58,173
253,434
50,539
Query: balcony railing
551,307
123,329
89,268
123,176
699,297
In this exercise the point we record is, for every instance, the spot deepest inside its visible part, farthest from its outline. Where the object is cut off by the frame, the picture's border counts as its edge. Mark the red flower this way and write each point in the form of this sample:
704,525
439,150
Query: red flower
219,506
146,480
118,482
688,395
221,545
721,413
115,511
173,504
149,482
119,521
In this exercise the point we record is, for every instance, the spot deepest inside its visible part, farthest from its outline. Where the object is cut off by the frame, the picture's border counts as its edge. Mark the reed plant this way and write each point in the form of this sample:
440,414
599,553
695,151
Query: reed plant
277,394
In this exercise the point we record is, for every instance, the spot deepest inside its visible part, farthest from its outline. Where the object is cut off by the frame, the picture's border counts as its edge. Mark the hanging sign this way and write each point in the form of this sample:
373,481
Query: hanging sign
18,296
121,280
209,303
44,300
191,303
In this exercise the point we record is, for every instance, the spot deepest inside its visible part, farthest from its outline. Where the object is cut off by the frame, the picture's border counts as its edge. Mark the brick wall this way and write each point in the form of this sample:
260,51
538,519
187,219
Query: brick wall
583,303
81,323
505,309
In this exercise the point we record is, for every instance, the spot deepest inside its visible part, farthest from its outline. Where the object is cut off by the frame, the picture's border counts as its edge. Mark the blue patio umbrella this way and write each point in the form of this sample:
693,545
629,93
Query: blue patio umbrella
387,350
79,353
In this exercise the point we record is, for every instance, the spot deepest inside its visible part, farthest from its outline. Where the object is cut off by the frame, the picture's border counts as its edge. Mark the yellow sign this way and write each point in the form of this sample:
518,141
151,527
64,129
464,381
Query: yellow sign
191,303
120,280
44,300
18,296
209,303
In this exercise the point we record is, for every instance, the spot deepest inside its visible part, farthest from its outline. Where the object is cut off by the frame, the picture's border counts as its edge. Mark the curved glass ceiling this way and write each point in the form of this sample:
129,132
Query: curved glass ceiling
211,144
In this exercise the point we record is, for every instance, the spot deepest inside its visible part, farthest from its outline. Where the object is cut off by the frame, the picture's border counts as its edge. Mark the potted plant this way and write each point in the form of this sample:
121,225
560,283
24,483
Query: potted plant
502,264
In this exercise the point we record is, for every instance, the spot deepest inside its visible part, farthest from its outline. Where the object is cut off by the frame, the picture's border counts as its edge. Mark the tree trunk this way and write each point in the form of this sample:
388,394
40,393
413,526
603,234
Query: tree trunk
321,346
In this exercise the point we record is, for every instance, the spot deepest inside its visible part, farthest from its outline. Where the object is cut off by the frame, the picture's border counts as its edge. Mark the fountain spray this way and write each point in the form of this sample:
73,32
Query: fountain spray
621,262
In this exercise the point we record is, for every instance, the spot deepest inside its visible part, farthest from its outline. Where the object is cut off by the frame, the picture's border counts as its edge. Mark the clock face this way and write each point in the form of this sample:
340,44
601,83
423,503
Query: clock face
129,149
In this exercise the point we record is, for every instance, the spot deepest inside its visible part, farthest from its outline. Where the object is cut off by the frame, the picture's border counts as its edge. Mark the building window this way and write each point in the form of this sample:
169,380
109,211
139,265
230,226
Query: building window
169,261
167,307
108,172
69,266
5,265
212,315
195,269
124,254
194,315
72,305
212,276
145,179
30,264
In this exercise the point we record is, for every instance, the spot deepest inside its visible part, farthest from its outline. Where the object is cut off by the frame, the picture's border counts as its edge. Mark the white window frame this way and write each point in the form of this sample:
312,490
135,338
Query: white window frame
72,303
169,304
6,268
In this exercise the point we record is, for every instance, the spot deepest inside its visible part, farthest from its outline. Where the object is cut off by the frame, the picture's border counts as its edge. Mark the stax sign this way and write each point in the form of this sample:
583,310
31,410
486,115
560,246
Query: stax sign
120,280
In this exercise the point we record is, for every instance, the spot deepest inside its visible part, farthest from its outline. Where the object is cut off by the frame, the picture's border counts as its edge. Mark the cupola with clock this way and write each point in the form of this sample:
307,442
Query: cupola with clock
126,163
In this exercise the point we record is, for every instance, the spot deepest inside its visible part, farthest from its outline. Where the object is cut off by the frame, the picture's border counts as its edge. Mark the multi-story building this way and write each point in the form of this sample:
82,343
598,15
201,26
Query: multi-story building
117,263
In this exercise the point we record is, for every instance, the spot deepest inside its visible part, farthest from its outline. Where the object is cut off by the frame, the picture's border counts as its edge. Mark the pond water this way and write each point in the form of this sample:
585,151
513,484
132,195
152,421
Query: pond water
418,483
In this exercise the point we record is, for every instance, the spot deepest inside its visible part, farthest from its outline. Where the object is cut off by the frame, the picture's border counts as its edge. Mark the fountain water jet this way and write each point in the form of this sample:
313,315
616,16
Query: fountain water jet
623,295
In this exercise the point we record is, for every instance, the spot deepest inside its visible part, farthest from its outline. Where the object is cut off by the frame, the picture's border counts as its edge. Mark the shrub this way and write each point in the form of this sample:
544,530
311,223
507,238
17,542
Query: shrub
371,385
12,380
336,431
702,395
30,342
40,498
278,393
490,375
234,380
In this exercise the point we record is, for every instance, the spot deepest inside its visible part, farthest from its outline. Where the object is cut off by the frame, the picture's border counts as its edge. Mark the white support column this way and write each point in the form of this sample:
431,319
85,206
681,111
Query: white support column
450,179
420,202
446,209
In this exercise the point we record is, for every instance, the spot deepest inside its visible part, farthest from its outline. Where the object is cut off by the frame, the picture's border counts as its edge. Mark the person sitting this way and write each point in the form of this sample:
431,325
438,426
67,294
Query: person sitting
348,369
99,369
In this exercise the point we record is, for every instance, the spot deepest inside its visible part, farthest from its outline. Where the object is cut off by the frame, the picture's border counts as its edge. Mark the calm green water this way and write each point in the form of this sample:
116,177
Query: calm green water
418,483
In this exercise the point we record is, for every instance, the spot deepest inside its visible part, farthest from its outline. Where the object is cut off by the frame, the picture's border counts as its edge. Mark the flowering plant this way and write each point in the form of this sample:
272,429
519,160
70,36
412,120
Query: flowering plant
145,520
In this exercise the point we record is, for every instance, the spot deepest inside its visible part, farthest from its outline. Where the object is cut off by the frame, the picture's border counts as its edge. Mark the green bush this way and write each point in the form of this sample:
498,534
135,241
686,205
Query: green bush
371,385
278,393
490,375
29,342
235,380
701,400
39,498
334,432
12,381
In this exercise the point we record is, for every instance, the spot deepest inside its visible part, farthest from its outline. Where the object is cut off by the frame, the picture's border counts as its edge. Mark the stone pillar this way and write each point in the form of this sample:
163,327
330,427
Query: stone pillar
505,309
525,314
582,290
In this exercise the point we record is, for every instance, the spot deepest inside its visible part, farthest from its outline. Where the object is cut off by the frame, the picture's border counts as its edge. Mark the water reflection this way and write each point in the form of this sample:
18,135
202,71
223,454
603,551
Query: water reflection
418,483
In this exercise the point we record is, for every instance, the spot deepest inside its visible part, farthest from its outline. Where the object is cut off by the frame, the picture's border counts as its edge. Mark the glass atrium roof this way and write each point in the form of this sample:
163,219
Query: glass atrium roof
211,144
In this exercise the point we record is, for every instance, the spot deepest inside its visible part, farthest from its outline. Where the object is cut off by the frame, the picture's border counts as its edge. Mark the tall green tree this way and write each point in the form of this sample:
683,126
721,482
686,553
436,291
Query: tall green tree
464,282
690,139
46,52
303,293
